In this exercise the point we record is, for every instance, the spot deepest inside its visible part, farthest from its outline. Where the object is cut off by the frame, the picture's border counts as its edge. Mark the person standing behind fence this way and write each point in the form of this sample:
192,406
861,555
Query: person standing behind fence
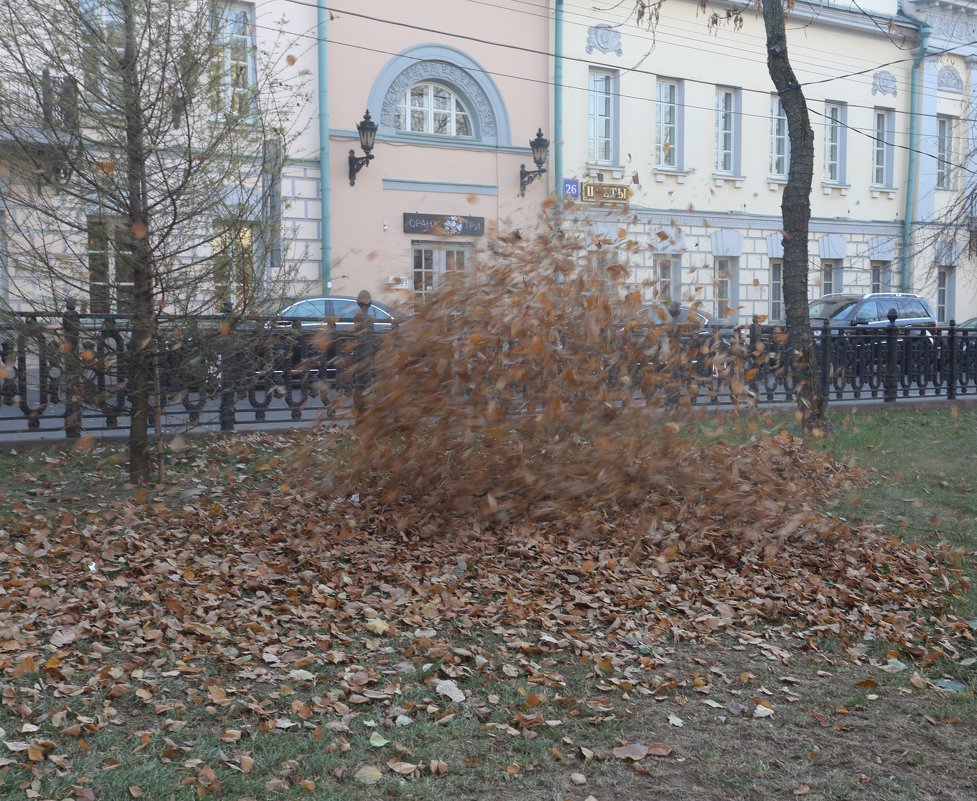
364,348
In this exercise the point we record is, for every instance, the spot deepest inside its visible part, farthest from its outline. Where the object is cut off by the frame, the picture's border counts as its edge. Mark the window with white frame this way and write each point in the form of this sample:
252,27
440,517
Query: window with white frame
667,124
830,276
110,255
431,108
779,139
238,48
725,287
601,125
103,44
665,271
881,276
435,263
883,148
776,290
944,282
236,271
944,153
834,143
726,144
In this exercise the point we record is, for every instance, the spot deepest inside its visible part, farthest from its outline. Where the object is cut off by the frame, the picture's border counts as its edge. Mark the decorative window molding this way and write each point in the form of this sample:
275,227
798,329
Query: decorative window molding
604,38
884,83
949,80
451,68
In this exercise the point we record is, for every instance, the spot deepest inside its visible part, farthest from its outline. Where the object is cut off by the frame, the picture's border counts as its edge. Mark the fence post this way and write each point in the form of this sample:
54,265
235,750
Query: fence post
825,358
71,359
228,388
951,386
753,359
890,361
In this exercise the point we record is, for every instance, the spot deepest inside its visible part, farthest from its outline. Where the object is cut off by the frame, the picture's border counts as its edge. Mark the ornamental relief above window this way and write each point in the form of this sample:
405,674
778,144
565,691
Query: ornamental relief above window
458,81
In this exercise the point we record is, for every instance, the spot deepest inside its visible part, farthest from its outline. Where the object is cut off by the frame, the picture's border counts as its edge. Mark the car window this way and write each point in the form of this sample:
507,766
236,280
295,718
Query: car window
379,314
910,307
304,308
828,308
867,310
344,309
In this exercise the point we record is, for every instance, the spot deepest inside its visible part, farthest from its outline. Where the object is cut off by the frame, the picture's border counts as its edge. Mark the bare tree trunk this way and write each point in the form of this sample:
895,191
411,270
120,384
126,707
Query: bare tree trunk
142,312
796,209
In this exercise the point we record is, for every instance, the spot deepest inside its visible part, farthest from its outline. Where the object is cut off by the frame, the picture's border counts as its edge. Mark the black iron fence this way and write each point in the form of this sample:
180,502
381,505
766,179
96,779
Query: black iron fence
69,374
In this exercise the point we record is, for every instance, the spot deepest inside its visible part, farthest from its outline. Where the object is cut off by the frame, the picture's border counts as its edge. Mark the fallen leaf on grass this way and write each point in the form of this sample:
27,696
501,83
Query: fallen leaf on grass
403,768
632,751
377,740
448,688
659,749
368,774
762,711
675,720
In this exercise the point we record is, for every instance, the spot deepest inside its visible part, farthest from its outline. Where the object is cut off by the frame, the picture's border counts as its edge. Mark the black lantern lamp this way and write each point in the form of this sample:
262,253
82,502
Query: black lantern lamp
541,147
367,130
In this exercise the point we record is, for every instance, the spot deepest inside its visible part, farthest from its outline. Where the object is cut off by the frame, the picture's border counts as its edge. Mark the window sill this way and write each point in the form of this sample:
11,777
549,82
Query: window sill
888,191
604,171
776,182
722,178
828,188
662,173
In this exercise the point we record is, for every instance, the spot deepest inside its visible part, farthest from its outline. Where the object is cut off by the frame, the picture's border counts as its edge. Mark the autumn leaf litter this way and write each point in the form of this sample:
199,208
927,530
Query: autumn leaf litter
521,497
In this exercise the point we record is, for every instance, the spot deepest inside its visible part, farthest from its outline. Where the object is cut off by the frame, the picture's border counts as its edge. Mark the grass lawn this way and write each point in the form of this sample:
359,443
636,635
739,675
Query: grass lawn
217,636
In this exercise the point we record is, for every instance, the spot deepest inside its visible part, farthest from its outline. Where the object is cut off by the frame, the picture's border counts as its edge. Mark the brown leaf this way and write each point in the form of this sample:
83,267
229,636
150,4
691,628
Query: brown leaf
632,751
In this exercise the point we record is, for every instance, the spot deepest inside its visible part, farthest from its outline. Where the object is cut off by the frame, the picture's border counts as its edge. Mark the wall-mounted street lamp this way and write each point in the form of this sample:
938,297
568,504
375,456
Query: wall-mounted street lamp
367,130
541,147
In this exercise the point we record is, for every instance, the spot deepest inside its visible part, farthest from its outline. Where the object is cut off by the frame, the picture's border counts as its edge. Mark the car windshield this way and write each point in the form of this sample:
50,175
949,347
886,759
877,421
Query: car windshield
832,308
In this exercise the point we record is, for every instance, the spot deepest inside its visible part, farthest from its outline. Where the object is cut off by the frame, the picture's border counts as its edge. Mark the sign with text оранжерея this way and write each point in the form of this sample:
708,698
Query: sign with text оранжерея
443,224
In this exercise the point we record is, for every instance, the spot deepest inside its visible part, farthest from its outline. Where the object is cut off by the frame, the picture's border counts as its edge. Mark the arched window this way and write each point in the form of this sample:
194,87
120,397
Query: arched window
431,108
439,94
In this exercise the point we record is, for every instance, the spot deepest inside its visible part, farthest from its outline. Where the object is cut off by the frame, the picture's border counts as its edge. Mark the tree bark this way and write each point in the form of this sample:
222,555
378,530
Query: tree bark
142,313
796,210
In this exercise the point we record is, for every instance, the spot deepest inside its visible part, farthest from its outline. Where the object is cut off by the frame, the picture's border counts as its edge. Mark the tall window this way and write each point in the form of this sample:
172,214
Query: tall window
882,148
103,43
600,117
881,276
725,288
238,48
110,253
776,290
664,267
943,291
435,263
779,140
433,109
834,143
830,276
944,153
726,143
236,278
667,124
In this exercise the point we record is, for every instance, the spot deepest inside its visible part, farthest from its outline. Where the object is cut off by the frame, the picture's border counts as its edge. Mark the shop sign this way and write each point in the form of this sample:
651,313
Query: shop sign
605,193
444,225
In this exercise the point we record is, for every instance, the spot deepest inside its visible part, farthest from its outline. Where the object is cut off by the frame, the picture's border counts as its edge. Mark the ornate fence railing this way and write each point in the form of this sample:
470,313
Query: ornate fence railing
69,374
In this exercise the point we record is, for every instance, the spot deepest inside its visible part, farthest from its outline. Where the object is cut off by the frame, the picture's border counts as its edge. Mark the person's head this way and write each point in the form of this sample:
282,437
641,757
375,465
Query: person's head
363,300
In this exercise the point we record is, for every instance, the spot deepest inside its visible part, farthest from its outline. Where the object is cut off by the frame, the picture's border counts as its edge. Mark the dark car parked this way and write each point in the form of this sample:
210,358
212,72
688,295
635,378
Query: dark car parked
872,311
338,308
